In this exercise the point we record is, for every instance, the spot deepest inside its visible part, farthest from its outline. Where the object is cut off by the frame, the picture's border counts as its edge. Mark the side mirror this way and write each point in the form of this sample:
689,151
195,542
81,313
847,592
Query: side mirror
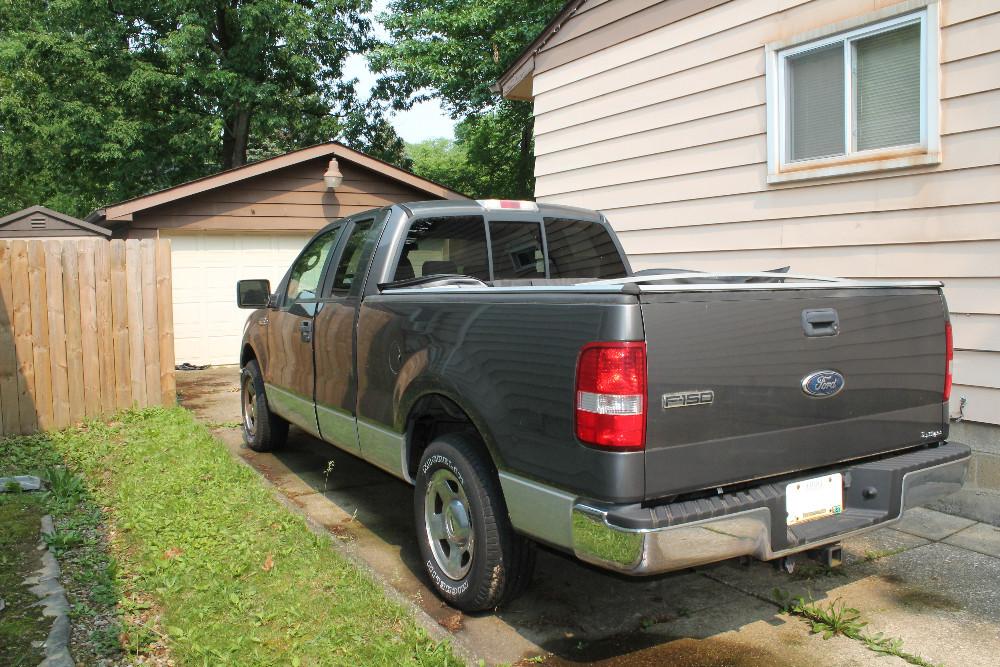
253,293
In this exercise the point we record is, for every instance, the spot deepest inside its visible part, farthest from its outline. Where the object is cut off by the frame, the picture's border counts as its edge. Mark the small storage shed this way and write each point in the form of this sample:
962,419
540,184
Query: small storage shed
40,222
251,222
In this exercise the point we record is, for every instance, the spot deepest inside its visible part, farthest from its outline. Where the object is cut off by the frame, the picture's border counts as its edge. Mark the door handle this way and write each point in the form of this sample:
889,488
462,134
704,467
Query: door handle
306,330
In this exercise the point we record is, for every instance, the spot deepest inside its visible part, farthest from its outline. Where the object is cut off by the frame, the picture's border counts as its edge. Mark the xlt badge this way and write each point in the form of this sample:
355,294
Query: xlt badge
685,399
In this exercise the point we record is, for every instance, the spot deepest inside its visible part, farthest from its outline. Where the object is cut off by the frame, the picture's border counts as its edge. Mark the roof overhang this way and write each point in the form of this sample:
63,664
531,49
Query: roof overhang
68,219
515,82
123,211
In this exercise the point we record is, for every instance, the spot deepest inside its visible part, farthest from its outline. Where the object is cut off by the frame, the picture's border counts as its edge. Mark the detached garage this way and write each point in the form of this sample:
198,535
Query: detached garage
250,222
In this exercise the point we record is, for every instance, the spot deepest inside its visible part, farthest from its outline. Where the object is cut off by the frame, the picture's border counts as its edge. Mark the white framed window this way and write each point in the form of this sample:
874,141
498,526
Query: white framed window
856,97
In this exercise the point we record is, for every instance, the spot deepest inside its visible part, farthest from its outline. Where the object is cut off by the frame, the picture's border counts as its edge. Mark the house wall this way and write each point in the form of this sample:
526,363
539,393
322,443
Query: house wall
658,119
294,199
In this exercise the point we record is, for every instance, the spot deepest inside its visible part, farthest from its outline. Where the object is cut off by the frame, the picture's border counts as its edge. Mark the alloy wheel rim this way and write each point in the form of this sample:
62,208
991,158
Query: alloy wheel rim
249,407
448,523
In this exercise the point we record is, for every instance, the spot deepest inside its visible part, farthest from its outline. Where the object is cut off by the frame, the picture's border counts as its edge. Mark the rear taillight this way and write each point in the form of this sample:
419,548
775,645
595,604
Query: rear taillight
950,359
611,395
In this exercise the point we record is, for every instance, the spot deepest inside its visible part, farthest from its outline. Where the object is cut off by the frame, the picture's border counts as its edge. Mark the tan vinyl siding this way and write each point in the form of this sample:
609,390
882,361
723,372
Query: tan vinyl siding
666,133
293,199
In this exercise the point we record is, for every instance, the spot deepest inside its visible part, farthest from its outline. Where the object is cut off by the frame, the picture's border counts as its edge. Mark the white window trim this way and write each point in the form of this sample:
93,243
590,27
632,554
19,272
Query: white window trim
927,152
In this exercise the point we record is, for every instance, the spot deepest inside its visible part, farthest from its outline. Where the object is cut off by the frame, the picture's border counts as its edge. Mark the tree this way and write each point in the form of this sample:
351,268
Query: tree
454,50
446,162
102,101
271,68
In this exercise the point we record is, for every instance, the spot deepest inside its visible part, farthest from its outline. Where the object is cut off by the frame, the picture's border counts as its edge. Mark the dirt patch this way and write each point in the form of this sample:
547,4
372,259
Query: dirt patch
641,649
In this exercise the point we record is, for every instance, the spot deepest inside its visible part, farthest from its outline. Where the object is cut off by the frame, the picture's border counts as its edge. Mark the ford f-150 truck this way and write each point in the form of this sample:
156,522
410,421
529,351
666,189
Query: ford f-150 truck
503,358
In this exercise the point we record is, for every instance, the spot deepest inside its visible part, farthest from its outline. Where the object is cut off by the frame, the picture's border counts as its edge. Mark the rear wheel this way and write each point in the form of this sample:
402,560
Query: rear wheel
473,556
262,429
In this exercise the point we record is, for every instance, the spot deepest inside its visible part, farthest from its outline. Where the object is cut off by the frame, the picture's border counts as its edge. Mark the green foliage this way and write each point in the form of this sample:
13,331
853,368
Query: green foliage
237,578
100,102
837,619
65,487
89,574
454,50
445,162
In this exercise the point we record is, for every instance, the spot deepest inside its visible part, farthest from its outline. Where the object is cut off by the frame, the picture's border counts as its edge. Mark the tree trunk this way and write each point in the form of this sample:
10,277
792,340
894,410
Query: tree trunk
235,135
525,164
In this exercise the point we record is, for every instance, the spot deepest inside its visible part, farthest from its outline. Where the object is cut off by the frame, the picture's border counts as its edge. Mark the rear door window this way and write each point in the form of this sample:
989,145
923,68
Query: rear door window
518,252
357,251
454,244
581,249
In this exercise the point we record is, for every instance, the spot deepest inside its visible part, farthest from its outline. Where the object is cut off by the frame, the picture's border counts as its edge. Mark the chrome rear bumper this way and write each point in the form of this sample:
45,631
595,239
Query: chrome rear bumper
752,532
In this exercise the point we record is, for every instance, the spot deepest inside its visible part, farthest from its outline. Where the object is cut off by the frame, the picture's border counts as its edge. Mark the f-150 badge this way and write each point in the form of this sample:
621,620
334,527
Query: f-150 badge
823,384
686,399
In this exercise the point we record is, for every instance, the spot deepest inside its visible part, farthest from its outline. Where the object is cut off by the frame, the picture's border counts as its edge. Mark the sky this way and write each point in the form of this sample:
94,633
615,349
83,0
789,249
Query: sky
426,120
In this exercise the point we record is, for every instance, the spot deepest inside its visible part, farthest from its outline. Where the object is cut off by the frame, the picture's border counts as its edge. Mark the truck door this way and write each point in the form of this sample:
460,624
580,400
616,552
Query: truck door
336,379
289,376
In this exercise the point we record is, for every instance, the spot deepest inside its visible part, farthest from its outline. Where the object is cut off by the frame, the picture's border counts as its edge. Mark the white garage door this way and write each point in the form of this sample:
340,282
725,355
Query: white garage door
208,327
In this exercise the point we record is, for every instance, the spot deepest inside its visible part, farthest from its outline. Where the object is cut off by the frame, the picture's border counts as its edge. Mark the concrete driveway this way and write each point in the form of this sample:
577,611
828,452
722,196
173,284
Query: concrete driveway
932,581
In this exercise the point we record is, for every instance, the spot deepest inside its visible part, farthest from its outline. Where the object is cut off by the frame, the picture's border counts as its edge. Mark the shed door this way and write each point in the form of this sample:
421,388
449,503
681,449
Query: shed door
208,327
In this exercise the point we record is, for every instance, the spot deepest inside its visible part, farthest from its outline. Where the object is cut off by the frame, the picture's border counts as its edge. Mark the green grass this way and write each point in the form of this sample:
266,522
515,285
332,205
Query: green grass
231,575
21,622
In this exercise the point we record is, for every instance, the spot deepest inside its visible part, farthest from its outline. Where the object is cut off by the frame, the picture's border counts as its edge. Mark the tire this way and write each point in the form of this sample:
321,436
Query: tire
474,558
263,430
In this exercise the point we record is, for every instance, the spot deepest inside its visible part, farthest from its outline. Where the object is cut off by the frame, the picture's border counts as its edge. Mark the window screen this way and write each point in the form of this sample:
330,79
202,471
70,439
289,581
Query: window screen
815,88
581,249
887,88
303,281
517,250
358,245
455,244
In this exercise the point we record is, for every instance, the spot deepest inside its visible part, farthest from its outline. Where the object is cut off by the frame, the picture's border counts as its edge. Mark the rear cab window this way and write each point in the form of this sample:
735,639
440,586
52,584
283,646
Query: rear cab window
508,250
445,245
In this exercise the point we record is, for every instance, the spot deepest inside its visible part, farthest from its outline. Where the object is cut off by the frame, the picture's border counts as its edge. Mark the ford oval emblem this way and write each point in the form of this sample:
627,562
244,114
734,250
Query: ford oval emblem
823,384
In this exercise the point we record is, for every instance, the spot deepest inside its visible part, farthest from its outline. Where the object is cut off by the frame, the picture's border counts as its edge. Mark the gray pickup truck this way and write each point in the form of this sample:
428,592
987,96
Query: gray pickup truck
503,358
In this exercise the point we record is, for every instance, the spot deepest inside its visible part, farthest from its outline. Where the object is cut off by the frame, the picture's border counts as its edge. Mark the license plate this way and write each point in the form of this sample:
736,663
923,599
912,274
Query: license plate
814,498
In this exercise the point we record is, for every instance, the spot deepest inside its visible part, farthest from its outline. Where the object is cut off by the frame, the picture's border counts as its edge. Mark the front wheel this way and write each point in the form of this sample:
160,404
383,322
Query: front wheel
473,556
262,429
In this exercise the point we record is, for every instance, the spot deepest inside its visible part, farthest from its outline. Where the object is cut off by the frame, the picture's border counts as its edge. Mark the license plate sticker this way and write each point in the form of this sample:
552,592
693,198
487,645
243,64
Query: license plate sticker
812,499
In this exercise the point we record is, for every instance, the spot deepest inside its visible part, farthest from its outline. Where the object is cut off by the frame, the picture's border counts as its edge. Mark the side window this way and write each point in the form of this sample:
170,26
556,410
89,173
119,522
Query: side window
303,281
358,248
581,249
517,250
455,244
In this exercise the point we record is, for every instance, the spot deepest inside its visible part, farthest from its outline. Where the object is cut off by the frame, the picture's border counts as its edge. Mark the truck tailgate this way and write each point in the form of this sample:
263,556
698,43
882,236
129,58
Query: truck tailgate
752,352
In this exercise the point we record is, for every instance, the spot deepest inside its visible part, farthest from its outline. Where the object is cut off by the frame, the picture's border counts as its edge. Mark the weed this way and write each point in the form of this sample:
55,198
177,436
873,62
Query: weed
326,474
66,489
12,487
220,425
832,619
878,554
810,571
62,541
836,618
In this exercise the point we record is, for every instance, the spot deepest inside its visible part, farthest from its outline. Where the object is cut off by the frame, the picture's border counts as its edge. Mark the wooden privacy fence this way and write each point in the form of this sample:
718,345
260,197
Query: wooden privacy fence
86,329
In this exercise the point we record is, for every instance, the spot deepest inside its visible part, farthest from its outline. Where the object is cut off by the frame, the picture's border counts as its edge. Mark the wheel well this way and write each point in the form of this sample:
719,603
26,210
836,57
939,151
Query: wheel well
431,417
246,355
